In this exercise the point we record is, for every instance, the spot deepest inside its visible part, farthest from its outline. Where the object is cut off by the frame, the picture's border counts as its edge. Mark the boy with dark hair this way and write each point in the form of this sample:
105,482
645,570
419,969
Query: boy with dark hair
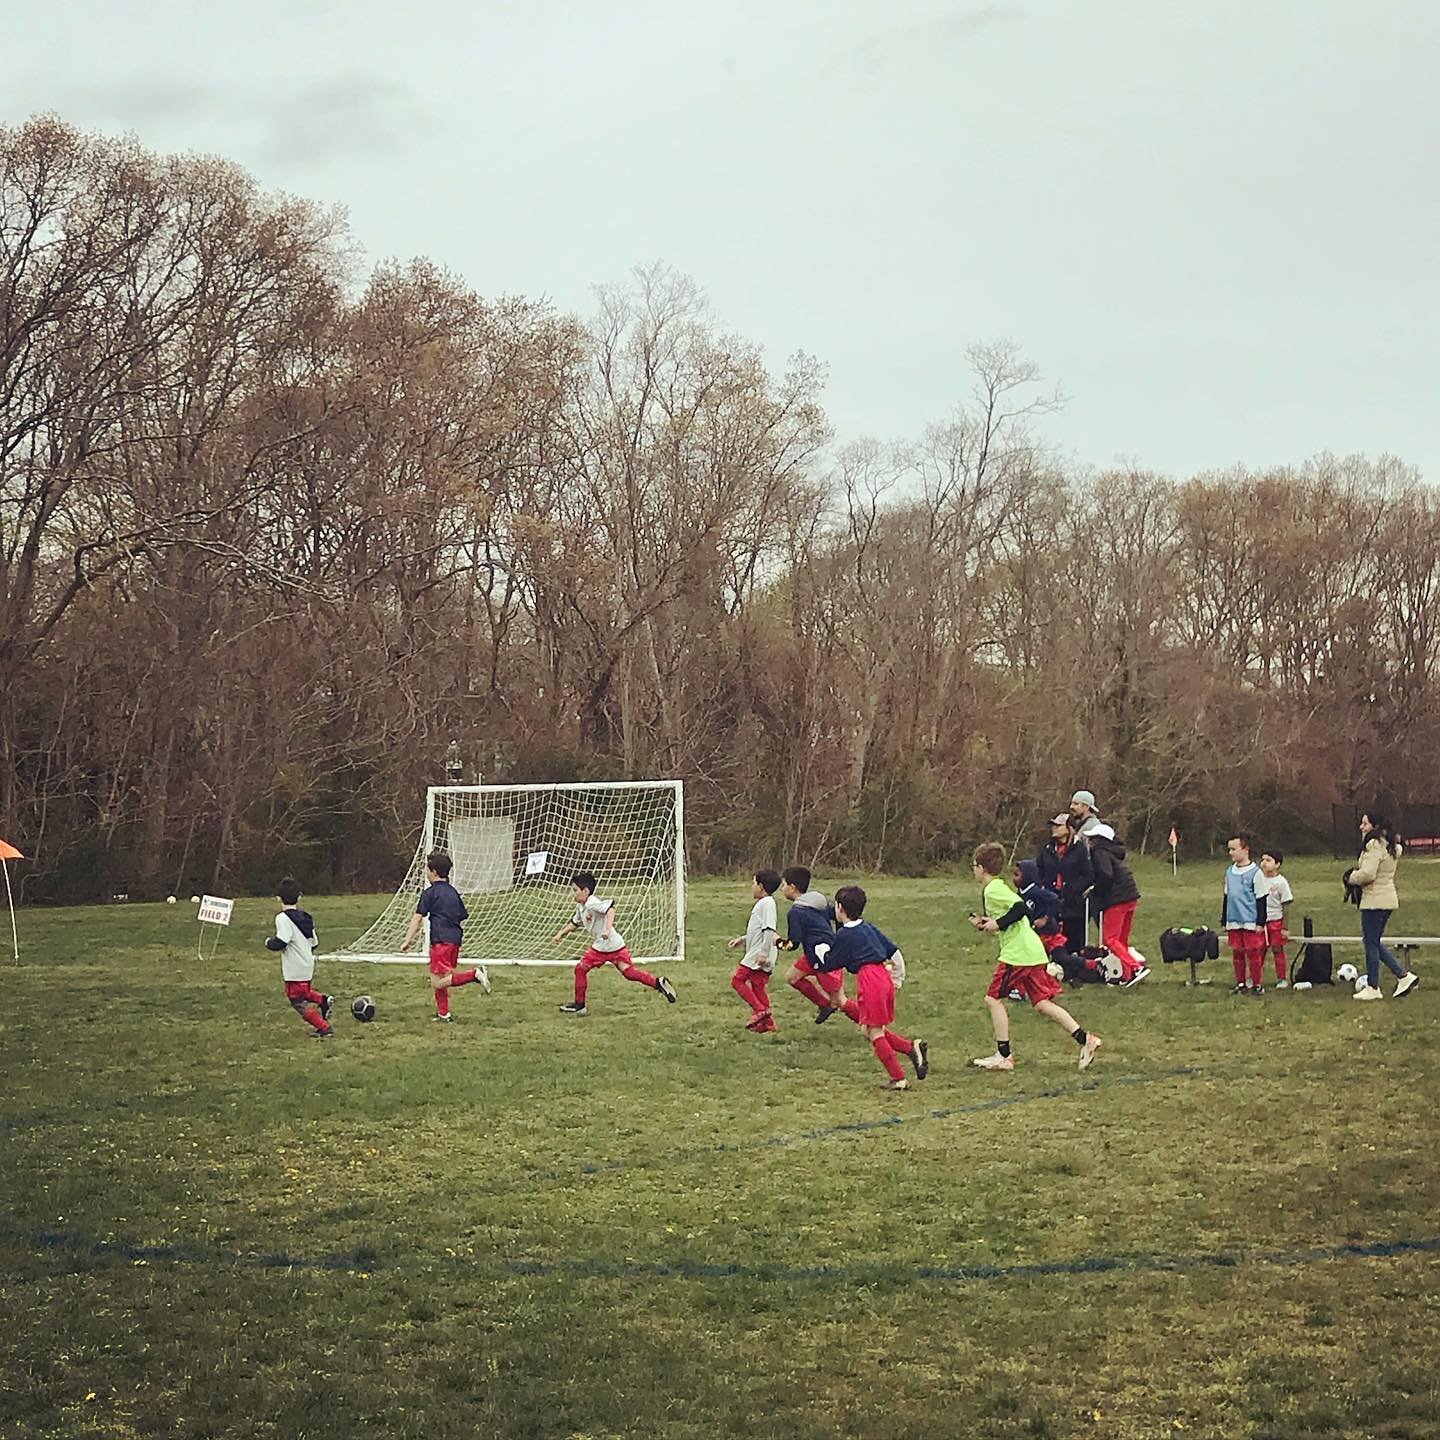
607,945
442,904
1042,905
1273,898
876,961
1240,916
752,974
1022,964
809,923
295,942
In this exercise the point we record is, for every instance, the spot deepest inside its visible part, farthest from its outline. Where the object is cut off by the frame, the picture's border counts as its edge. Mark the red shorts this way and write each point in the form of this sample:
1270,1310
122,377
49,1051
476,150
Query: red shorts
1275,934
1031,982
874,994
1242,942
444,957
593,959
832,982
297,989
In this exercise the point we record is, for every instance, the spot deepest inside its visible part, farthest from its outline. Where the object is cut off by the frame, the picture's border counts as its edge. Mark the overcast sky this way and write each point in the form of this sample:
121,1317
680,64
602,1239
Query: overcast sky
1216,225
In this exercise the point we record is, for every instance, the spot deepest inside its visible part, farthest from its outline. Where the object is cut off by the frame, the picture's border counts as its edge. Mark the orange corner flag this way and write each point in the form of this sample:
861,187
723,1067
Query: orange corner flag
1174,837
9,852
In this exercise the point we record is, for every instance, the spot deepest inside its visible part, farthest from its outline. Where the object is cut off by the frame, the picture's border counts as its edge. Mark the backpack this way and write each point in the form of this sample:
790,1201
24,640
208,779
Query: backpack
1313,965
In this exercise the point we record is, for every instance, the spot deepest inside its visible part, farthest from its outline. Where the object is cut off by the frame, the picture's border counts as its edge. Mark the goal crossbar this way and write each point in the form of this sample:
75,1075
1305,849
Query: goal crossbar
513,850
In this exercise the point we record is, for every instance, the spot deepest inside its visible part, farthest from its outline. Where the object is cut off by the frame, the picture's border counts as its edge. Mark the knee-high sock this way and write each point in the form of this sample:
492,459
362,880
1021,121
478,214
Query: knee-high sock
759,986
1257,966
462,977
642,977
744,987
1238,956
812,992
313,1017
851,1010
886,1056
1282,965
900,1043
442,1002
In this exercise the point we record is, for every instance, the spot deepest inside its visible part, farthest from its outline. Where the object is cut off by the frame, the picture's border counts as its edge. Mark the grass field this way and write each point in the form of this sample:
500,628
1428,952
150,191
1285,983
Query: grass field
651,1223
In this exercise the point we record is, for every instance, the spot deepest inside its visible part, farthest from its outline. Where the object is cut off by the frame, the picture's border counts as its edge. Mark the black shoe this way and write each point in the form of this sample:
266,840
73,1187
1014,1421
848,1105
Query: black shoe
666,989
826,1013
322,1034
921,1059
326,1006
1258,991
573,1008
1239,989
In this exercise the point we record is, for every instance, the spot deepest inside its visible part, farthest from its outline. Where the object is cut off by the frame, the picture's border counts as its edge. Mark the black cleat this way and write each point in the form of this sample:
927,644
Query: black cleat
322,1034
921,1059
666,989
326,1006
827,1012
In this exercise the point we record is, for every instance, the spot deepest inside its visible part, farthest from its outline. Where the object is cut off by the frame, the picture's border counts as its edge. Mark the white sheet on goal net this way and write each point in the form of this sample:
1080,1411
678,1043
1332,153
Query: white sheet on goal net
625,834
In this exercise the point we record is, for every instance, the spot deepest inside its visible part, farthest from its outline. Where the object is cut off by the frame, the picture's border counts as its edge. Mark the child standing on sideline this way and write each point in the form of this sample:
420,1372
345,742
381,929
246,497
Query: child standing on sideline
1022,964
1240,916
1274,897
607,945
443,905
295,942
859,946
757,964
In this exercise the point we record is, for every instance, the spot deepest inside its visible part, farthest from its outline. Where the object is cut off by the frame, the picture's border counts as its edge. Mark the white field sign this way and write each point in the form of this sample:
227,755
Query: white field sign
513,850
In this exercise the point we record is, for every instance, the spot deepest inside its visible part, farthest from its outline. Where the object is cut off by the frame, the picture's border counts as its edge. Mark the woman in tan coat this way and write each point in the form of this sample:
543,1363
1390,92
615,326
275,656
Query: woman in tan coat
1374,874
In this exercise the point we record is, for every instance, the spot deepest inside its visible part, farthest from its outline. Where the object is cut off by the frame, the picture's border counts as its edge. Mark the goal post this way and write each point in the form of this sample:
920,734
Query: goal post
513,849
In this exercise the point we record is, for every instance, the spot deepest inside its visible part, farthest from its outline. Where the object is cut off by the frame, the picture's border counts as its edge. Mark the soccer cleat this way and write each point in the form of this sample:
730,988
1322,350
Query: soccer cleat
997,1061
1087,1051
326,1006
757,1020
322,1034
573,1007
666,989
443,1019
1258,991
482,978
920,1058
1239,989
1407,984
768,1028
826,1011
901,1084
1282,984
1369,992
1141,974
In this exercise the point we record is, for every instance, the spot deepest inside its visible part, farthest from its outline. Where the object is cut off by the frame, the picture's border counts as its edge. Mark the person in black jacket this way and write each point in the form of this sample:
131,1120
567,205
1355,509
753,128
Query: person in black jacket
1065,867
1116,895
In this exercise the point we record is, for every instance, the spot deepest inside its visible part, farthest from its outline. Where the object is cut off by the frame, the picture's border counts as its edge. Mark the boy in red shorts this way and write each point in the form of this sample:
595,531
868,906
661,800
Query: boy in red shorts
1022,966
596,917
441,903
876,963
295,942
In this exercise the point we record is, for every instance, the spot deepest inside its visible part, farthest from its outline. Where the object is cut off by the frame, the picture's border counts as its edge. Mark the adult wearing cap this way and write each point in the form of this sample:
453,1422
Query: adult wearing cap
1084,811
1065,867
1115,893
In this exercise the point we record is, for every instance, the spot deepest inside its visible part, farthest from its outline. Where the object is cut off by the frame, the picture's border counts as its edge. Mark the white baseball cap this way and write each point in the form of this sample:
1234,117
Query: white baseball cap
1084,797
1063,818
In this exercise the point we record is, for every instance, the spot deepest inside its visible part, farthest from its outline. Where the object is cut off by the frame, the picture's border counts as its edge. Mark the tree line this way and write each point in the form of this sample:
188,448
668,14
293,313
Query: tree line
274,534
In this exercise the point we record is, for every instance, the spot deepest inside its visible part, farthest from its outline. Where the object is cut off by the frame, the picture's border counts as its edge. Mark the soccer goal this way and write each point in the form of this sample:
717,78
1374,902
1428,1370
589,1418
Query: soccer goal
514,848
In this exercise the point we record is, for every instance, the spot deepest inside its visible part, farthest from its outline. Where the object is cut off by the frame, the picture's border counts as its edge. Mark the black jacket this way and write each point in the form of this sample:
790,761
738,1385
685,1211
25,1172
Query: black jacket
1114,880
1070,875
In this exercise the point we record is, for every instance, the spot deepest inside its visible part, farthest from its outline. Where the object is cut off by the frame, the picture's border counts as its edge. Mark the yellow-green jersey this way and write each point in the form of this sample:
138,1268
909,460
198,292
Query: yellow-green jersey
1019,944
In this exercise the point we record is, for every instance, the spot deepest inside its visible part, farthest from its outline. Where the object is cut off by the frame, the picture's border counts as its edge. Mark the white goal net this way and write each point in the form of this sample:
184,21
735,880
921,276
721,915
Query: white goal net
513,850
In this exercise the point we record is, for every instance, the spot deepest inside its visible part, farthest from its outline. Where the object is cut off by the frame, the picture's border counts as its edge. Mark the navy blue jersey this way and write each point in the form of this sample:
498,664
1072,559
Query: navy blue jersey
810,922
1044,908
856,944
441,901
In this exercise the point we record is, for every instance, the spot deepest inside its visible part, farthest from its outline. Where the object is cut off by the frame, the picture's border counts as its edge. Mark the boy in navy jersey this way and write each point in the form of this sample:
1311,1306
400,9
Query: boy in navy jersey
877,963
442,903
809,923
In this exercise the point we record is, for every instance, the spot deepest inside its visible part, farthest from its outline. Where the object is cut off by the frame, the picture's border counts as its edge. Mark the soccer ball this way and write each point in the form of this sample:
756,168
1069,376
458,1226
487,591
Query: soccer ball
169,899
1360,982
362,1007
1348,973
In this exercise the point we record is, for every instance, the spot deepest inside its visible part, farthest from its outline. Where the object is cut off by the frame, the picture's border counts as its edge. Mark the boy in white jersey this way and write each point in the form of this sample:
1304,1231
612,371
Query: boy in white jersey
757,965
607,945
295,942
1273,893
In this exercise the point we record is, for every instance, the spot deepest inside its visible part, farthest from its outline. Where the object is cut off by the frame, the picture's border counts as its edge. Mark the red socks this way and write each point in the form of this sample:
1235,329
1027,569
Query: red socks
313,1017
1257,966
442,1002
462,977
886,1056
746,983
812,992
900,1043
641,977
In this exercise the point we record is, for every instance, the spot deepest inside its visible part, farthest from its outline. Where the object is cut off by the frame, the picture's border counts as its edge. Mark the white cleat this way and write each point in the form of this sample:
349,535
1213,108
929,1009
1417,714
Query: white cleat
1087,1051
997,1061
482,978
1369,992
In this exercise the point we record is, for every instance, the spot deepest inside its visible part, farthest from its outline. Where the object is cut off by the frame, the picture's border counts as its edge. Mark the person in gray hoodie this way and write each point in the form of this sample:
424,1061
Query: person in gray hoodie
809,922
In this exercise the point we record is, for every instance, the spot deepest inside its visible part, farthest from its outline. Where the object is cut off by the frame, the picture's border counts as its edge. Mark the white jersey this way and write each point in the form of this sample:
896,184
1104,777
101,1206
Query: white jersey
1273,893
297,959
760,936
591,916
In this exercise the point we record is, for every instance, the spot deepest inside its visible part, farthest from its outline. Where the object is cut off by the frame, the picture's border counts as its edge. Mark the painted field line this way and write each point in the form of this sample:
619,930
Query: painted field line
85,1252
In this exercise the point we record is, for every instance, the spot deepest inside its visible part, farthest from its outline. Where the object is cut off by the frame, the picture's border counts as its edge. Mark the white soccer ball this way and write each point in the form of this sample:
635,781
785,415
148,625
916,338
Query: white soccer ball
194,899
1360,982
1348,973
169,899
